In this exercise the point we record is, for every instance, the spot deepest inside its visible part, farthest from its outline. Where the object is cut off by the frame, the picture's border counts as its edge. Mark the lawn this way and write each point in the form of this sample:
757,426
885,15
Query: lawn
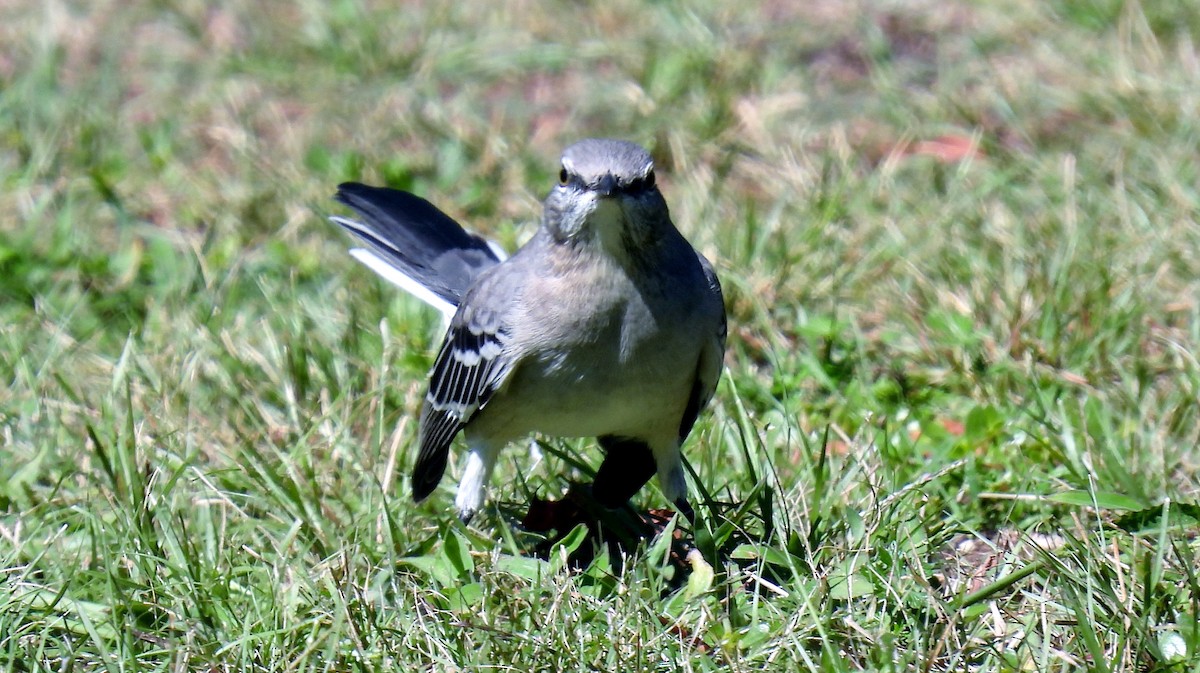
959,426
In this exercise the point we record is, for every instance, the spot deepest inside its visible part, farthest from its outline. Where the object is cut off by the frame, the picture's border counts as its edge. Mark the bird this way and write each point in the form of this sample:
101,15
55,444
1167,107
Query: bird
607,323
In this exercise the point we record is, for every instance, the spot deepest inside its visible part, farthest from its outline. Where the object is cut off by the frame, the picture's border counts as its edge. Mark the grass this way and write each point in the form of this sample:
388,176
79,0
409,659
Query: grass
959,424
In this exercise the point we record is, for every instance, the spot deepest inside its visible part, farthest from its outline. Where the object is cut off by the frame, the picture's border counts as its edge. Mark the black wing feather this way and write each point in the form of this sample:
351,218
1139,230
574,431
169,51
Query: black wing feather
708,370
470,367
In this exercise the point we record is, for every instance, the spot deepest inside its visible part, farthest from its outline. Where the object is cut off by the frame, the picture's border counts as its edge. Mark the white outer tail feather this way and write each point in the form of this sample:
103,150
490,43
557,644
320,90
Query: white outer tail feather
396,277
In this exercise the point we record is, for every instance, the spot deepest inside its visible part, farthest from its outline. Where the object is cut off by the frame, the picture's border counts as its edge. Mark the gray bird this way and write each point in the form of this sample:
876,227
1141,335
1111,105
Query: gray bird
607,323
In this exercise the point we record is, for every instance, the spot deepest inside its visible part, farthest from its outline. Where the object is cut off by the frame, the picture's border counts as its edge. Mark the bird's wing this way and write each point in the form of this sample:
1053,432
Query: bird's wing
712,355
474,362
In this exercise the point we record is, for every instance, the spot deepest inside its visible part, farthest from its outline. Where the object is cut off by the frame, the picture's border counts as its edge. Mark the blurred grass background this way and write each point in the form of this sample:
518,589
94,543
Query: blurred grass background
959,425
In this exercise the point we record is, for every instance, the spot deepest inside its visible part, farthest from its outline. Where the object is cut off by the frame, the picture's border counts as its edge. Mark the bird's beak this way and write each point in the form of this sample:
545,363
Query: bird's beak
607,186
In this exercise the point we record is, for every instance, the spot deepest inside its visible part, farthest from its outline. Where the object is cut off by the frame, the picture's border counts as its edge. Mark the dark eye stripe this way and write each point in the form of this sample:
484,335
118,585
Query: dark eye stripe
640,184
569,179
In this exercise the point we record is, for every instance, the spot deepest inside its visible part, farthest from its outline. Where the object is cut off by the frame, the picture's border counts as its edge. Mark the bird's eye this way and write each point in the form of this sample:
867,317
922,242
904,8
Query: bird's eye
563,178
649,180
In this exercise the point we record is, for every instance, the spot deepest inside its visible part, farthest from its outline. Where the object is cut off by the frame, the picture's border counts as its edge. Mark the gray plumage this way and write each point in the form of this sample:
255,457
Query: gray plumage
607,323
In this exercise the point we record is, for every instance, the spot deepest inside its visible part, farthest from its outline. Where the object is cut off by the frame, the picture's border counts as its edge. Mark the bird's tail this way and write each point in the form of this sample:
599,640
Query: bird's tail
414,245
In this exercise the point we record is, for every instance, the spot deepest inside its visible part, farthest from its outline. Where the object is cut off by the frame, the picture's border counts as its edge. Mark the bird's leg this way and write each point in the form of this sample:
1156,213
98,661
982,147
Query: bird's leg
670,478
685,508
481,458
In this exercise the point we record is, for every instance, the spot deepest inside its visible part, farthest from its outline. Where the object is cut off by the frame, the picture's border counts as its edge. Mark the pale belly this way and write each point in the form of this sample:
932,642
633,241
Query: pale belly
591,394
634,407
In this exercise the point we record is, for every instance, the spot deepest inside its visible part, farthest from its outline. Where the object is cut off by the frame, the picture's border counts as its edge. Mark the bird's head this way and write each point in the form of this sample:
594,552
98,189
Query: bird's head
606,195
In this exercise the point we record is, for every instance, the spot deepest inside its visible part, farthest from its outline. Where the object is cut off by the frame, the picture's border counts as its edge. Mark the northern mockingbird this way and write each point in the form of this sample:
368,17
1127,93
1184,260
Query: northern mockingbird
607,323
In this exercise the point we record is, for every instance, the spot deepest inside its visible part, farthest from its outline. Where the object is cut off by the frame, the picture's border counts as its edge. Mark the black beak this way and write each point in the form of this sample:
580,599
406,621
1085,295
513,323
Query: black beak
607,185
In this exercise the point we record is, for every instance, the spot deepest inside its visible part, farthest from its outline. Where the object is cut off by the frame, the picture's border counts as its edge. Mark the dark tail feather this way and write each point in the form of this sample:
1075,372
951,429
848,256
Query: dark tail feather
418,240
